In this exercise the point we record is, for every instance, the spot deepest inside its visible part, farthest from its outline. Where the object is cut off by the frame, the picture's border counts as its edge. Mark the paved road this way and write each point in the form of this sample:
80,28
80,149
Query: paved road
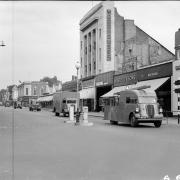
46,148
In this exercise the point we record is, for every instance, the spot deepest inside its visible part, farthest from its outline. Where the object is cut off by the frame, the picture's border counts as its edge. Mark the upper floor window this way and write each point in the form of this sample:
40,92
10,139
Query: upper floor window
27,91
99,33
34,91
81,44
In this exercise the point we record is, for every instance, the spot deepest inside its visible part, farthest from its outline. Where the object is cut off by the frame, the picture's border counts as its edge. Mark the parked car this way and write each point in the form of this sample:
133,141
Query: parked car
17,104
7,104
34,105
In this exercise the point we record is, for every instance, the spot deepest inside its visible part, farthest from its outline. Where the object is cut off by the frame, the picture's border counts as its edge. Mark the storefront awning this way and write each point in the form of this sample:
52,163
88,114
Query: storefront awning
45,99
88,93
151,84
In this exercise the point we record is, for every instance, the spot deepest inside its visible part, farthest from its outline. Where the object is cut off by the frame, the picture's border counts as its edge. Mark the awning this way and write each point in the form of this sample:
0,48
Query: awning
153,85
45,99
88,93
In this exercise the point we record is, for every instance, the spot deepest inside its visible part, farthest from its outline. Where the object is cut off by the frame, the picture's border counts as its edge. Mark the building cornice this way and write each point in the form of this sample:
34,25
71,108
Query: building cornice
90,13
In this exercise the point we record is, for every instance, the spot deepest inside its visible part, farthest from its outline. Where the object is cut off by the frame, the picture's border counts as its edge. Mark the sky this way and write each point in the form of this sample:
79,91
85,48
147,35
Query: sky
42,37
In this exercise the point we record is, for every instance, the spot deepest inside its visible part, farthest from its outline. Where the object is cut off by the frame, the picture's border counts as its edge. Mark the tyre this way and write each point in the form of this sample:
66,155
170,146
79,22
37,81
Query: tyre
133,120
157,124
113,122
56,114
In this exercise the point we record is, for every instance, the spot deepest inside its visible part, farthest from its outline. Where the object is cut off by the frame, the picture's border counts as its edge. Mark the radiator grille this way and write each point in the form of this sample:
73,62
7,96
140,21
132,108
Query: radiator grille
150,111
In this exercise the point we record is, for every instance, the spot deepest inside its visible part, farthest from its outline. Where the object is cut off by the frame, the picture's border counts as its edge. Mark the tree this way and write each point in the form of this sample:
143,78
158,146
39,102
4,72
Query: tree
50,81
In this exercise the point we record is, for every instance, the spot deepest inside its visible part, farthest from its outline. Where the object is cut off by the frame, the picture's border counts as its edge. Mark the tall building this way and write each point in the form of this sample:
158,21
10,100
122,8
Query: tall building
175,94
111,46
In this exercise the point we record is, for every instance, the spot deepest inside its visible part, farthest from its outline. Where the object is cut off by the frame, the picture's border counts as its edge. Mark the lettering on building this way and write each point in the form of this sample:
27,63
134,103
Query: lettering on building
108,35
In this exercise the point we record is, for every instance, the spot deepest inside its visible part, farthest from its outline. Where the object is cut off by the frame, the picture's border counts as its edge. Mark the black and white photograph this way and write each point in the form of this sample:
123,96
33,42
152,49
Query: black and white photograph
89,90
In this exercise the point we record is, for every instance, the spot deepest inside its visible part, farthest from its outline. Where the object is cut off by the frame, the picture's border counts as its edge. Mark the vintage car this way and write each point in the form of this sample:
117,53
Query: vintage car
34,105
17,104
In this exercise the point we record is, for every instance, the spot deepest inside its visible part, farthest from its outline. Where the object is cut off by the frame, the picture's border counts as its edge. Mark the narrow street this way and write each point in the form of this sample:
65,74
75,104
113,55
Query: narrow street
47,148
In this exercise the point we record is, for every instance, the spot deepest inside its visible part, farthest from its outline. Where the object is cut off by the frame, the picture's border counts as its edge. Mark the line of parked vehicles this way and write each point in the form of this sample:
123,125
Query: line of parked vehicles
131,106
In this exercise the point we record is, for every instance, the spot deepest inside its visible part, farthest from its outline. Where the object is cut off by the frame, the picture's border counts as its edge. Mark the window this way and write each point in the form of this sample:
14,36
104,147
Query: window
89,67
81,44
85,50
99,54
89,48
179,99
131,100
94,45
34,91
94,65
178,107
99,33
27,91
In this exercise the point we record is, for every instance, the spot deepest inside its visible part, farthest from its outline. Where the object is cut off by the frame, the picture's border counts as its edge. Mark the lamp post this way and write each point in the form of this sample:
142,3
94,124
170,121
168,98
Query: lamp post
77,65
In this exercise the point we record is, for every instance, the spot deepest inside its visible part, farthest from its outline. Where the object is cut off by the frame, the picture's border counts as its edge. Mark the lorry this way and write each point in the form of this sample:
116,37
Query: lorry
62,100
34,105
133,106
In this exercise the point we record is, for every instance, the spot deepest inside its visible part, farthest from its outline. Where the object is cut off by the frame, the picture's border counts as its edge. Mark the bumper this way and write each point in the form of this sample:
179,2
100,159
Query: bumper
149,120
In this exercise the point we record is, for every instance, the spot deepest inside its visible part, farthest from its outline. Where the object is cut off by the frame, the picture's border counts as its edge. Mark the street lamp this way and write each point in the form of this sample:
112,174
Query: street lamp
2,44
77,65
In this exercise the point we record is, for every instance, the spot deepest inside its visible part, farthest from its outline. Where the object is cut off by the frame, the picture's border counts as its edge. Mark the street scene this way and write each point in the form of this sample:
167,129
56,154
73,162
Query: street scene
47,148
89,90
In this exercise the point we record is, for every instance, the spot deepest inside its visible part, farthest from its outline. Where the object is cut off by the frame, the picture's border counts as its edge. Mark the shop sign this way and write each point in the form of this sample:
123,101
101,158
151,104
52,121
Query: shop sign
125,79
155,72
99,83
104,78
177,68
88,83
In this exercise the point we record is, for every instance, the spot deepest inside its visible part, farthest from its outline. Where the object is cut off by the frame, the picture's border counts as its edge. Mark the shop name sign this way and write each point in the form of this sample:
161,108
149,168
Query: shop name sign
88,83
160,71
101,83
125,79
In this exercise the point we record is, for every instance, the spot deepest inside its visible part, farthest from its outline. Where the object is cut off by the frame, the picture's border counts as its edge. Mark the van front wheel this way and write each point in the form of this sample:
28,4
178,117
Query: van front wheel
157,124
133,120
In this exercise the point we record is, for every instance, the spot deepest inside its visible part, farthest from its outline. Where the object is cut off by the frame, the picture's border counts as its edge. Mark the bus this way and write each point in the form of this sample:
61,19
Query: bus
133,106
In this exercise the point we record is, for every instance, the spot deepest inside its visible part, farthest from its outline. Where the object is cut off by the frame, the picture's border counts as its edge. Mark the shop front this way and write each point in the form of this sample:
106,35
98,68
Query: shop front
104,83
87,93
46,101
157,78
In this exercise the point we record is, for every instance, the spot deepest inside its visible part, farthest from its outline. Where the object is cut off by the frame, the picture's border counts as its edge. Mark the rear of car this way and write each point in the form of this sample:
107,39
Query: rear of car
35,106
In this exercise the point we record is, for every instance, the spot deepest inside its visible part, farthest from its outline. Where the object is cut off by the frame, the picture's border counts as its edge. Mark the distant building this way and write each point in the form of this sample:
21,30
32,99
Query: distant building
31,90
15,93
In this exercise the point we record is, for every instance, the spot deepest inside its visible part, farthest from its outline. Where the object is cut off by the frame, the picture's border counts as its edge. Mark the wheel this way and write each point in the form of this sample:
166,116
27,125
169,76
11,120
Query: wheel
157,124
113,122
56,114
133,120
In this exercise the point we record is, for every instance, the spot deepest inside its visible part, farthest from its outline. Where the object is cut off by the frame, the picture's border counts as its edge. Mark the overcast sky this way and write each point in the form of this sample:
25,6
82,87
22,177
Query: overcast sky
42,38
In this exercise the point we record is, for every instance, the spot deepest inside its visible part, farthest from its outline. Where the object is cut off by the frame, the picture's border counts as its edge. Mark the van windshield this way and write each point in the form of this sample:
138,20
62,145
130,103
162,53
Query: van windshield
147,99
71,101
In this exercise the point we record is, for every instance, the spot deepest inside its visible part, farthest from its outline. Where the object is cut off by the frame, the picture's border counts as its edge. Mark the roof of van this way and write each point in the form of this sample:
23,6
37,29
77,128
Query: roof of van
142,92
